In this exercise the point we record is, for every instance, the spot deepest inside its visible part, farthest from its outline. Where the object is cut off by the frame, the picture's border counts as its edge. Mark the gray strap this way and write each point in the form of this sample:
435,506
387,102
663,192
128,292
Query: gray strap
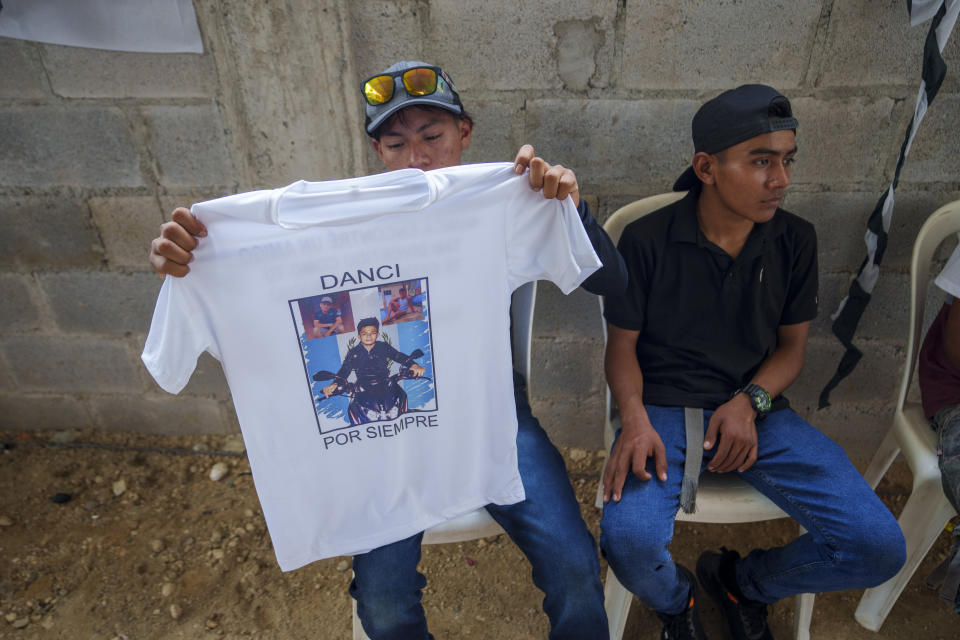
693,422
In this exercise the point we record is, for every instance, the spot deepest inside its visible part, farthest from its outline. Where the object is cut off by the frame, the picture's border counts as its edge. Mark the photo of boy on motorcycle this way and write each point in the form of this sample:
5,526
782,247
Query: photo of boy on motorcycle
375,394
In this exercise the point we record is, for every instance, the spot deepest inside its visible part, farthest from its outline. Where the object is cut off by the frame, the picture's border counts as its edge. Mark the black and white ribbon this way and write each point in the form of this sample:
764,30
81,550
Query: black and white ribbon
848,314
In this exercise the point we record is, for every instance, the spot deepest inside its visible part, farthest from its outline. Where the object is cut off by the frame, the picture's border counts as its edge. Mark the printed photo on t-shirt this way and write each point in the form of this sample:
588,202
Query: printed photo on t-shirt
326,315
401,302
367,353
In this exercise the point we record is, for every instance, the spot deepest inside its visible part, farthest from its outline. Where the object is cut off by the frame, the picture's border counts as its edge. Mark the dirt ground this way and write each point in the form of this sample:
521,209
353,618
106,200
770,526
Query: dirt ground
149,547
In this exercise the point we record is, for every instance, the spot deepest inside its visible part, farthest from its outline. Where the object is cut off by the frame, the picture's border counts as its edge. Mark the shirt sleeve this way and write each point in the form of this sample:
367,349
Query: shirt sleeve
179,333
611,278
546,241
801,302
628,309
949,278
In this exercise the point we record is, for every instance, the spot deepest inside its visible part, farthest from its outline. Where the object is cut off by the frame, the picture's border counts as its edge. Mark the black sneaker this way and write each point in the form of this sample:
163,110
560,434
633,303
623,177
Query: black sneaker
686,624
743,619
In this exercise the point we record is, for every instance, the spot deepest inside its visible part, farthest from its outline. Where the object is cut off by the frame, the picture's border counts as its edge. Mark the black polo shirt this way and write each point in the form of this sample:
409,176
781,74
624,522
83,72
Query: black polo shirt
707,321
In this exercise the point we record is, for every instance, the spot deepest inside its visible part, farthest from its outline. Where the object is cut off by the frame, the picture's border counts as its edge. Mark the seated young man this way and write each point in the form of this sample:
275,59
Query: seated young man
939,378
723,286
416,121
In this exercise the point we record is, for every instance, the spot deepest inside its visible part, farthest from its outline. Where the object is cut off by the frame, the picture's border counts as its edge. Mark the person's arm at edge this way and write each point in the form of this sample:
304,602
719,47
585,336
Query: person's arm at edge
638,439
611,278
735,420
951,334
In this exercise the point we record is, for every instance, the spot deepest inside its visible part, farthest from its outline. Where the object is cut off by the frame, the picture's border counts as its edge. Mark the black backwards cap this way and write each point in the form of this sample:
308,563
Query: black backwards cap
733,116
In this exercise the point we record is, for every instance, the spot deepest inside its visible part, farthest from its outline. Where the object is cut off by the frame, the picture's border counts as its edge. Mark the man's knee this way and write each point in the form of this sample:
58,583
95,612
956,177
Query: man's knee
636,543
388,609
876,552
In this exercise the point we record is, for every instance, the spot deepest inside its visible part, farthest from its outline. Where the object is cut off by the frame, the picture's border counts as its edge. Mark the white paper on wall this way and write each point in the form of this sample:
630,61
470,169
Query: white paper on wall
152,26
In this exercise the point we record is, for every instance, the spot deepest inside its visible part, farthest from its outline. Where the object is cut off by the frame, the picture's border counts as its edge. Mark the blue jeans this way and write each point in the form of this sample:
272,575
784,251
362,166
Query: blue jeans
852,540
547,527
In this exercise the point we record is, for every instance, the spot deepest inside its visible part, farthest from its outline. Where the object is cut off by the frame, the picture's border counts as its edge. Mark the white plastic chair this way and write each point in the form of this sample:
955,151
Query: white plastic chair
479,523
721,498
927,509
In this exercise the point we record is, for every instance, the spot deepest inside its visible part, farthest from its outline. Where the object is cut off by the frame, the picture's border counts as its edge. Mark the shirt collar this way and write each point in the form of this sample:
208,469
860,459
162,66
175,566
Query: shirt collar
685,228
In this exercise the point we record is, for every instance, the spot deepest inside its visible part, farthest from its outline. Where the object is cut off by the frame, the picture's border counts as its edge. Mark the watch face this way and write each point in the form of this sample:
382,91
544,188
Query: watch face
761,400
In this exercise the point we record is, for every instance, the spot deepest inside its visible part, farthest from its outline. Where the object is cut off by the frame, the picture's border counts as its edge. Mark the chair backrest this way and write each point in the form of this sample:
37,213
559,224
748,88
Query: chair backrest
521,319
614,227
637,209
941,223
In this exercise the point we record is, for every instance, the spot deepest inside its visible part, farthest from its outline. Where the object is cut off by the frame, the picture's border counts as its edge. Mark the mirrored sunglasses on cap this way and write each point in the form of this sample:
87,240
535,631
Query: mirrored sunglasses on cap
418,81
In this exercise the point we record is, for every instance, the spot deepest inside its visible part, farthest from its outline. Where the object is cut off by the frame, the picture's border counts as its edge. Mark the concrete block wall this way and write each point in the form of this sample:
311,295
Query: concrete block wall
97,147
91,142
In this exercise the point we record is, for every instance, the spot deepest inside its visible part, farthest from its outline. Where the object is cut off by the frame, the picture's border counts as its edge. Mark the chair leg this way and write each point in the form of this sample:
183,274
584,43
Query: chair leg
616,600
922,520
803,612
882,459
802,616
358,632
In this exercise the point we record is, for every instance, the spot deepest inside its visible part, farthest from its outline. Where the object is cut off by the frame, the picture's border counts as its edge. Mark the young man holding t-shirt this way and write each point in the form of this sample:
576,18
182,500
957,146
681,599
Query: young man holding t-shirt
711,331
416,120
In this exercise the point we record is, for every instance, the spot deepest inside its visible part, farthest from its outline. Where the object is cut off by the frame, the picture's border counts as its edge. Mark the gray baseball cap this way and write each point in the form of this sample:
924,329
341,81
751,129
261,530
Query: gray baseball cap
445,96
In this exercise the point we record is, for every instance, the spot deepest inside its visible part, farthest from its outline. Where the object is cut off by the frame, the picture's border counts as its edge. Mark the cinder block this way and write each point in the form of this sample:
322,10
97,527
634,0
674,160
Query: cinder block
582,59
933,153
576,316
18,311
127,225
6,378
30,412
385,32
86,146
53,232
47,363
572,368
510,45
494,131
857,428
163,414
711,45
610,142
21,74
170,202
101,301
887,315
843,140
571,423
870,43
208,379
610,204
189,145
841,219
875,380
77,72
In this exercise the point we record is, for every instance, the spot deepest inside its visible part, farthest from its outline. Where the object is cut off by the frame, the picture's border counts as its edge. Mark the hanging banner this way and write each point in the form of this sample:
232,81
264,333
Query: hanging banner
152,26
848,314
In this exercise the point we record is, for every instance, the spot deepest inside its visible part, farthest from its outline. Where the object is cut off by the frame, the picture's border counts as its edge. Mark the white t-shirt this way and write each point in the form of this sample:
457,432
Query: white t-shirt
949,278
383,457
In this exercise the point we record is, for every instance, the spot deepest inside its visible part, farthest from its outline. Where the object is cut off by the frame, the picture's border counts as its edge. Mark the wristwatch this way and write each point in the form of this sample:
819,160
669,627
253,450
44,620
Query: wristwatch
759,399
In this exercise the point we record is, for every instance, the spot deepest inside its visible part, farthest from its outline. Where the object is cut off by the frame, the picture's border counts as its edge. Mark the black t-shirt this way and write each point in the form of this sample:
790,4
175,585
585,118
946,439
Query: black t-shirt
707,321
